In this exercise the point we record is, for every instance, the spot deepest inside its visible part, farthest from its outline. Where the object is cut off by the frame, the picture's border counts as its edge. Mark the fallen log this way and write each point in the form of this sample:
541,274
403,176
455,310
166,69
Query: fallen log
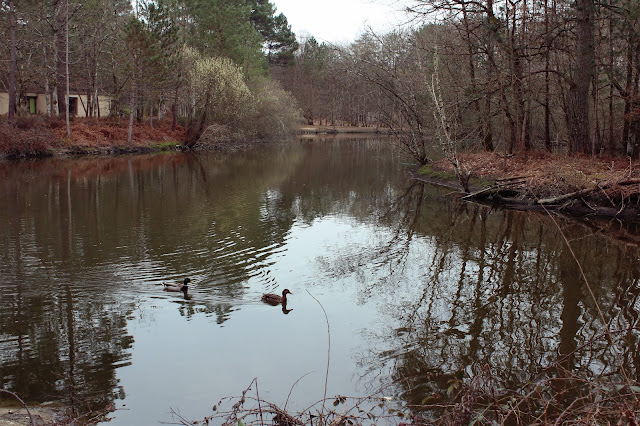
498,189
628,182
483,193
578,209
511,179
563,197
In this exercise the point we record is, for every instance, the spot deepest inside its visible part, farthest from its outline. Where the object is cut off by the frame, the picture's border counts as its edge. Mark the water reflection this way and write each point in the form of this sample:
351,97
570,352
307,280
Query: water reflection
426,291
503,289
91,238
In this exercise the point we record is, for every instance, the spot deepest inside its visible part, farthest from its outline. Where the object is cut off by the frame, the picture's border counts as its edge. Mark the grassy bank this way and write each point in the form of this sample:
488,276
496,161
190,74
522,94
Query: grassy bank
333,130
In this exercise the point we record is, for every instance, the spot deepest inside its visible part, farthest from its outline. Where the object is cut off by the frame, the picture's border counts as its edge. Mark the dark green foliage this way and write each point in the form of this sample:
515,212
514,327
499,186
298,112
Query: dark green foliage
224,28
279,40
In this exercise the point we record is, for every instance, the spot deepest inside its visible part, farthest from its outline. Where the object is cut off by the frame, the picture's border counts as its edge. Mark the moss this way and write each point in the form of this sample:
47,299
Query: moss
165,146
480,182
431,172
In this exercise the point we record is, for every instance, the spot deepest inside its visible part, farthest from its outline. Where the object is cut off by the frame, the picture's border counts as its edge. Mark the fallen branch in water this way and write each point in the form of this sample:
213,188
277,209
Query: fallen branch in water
619,199
564,197
575,185
31,422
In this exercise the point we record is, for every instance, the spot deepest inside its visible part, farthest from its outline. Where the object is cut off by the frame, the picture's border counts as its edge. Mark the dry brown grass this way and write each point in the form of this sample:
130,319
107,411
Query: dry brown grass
37,136
549,175
113,131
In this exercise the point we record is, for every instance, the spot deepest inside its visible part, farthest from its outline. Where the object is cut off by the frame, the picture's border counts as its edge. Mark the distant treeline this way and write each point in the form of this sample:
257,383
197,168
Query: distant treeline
512,75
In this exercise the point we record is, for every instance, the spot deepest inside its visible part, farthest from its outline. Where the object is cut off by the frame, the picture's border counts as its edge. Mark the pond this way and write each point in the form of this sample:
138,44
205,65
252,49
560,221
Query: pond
420,291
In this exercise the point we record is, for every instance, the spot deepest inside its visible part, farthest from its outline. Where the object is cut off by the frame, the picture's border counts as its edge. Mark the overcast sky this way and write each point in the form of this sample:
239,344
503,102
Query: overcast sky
340,21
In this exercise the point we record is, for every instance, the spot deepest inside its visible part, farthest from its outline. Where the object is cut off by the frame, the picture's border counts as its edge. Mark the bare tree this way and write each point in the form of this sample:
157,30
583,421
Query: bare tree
446,130
12,66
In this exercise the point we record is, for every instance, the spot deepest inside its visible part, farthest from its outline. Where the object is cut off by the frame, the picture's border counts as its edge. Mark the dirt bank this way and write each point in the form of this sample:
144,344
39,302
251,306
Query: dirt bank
577,185
40,136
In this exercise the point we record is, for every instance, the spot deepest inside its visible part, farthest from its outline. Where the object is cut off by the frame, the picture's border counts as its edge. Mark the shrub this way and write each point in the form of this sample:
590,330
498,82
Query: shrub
274,114
29,138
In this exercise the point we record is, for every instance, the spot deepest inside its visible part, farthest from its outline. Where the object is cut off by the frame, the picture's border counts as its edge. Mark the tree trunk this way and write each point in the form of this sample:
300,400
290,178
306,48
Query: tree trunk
633,139
12,67
492,37
195,130
132,105
47,85
547,63
482,131
578,98
60,58
151,110
611,140
66,62
628,90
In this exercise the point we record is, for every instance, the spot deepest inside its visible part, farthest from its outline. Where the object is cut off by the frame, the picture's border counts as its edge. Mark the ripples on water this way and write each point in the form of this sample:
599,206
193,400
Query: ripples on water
419,290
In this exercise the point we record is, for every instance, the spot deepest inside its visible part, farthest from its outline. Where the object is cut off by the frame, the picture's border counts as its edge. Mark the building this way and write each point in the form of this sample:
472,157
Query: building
36,103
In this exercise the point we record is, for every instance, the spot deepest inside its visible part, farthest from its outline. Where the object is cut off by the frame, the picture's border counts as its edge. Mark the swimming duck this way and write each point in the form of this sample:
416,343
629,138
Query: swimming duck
184,287
274,299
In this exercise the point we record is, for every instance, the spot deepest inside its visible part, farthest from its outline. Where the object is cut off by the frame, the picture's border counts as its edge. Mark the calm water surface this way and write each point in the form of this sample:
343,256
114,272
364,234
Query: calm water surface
420,291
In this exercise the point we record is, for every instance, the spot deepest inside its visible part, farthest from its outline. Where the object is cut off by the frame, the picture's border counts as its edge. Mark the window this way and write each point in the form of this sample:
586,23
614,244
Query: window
73,106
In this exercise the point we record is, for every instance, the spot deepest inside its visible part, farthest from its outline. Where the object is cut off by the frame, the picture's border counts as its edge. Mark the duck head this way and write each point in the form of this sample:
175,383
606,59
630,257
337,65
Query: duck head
285,292
185,286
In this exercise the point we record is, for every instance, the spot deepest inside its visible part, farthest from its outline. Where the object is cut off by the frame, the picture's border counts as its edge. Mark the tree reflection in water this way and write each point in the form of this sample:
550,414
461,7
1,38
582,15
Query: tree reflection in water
57,344
504,291
459,286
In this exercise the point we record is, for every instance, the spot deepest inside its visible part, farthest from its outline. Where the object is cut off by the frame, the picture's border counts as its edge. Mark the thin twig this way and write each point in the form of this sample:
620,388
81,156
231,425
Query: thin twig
293,386
326,377
31,422
259,406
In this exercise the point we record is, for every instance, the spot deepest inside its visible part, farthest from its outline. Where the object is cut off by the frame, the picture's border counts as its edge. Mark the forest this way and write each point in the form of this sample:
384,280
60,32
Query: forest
192,60
508,75
512,75
546,91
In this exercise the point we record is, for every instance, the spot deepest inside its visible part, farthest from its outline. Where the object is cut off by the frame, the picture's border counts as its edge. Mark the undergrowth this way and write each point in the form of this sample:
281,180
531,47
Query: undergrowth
564,399
32,136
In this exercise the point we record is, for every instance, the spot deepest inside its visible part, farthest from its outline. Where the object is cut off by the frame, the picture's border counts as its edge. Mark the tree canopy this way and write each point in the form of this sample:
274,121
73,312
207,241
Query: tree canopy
133,52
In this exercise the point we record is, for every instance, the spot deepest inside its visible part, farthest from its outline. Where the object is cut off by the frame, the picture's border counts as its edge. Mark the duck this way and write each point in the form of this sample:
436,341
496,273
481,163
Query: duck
274,299
184,287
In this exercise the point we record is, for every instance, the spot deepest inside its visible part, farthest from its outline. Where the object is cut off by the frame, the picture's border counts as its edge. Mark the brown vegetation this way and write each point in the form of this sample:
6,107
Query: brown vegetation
113,131
39,136
560,398
576,184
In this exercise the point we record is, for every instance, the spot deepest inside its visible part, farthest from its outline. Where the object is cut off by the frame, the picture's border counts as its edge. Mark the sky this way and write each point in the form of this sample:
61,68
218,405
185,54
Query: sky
340,21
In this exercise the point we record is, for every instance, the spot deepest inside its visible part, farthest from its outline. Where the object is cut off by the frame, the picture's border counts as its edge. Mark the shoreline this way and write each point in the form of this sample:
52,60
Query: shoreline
334,130
578,186
45,137
41,137
581,186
